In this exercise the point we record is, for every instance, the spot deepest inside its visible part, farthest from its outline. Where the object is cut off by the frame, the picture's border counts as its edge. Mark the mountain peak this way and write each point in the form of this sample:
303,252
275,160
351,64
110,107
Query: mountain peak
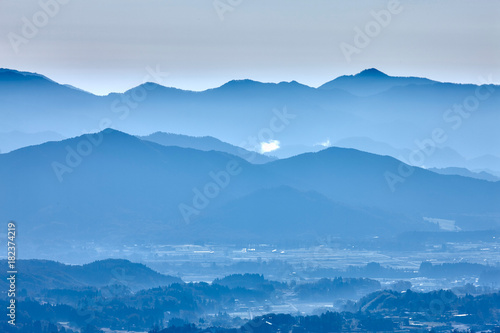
112,131
240,83
371,72
371,81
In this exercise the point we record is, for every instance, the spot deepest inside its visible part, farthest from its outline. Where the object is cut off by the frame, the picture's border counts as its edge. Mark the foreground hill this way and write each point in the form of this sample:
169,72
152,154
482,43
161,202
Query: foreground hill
37,275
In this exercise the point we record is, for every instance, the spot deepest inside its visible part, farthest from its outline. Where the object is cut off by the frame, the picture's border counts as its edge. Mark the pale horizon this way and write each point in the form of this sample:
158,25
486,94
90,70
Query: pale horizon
104,47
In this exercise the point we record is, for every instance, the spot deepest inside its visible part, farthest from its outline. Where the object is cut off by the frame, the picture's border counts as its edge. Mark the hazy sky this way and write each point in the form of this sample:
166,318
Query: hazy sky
107,45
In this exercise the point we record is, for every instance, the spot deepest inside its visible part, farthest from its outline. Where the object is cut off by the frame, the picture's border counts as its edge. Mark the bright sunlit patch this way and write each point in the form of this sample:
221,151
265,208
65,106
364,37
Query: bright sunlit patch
266,147
325,143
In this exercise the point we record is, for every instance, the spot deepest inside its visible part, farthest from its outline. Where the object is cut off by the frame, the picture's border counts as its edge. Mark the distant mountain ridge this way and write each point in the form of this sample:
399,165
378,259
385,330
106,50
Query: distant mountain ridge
466,173
206,143
393,110
443,158
12,76
372,81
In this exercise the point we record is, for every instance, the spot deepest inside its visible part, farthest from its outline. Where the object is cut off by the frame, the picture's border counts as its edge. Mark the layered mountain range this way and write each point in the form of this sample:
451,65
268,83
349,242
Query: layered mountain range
371,111
116,188
119,184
